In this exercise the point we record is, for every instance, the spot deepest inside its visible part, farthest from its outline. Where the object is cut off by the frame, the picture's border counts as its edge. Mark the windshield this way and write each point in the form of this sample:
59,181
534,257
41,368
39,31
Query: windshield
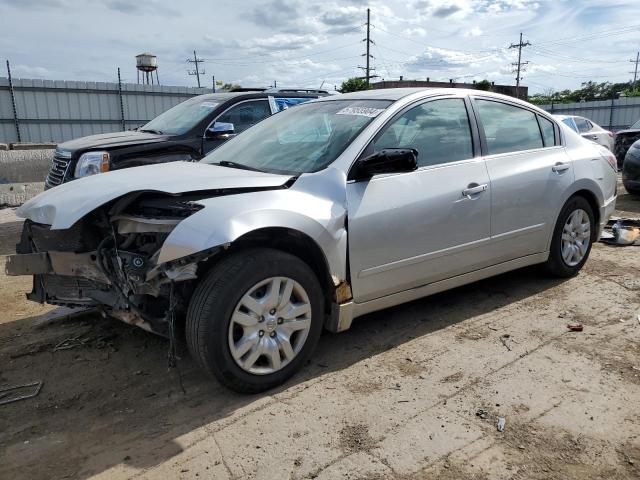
635,125
303,139
181,118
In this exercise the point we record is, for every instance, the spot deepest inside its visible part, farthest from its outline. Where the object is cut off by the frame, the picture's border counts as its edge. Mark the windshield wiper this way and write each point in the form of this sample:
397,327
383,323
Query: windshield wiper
150,130
227,163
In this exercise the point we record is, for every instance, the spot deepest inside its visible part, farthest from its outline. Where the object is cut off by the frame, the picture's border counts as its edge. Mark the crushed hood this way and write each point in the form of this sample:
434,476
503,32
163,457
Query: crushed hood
65,204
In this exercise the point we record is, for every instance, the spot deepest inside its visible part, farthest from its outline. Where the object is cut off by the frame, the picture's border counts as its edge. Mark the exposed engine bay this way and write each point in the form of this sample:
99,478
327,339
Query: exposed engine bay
108,259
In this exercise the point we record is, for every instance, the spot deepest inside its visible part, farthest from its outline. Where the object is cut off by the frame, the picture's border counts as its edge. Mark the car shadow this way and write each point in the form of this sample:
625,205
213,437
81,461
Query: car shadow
108,397
627,202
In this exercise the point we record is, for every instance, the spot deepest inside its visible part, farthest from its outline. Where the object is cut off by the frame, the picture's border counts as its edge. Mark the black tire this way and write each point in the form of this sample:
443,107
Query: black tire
214,300
556,265
631,190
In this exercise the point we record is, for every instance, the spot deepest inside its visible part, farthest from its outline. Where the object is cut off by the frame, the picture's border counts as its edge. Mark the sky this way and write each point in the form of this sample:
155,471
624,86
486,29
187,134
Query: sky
308,44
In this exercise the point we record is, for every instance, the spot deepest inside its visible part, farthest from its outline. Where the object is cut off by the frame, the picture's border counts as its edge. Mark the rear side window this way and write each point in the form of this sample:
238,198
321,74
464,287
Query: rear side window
284,103
569,122
548,132
439,130
582,124
508,128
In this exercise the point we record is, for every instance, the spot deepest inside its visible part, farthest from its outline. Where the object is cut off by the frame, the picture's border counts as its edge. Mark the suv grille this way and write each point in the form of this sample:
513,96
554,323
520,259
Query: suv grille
58,171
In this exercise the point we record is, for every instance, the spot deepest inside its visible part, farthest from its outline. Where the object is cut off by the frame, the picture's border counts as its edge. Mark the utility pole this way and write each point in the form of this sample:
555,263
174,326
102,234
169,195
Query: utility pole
124,125
16,122
367,55
635,72
213,83
520,63
196,71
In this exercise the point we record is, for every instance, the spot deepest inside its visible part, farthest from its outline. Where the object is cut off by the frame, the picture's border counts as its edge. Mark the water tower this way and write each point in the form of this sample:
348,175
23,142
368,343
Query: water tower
147,63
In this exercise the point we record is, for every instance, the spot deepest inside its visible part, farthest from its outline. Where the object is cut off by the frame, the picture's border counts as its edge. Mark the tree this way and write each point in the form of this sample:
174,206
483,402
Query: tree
230,86
484,85
354,84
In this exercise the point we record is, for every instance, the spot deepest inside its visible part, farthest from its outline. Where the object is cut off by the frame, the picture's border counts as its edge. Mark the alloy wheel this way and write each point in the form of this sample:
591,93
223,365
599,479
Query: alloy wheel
576,236
269,325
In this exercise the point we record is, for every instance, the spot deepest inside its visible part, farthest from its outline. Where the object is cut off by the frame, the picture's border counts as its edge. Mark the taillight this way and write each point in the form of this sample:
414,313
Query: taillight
611,134
611,160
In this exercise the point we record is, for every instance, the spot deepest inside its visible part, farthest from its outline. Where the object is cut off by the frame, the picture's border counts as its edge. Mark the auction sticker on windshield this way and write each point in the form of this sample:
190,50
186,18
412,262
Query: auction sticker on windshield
361,111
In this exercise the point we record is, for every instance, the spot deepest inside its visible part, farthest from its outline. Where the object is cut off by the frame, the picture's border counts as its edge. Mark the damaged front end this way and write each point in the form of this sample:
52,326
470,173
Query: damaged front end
109,260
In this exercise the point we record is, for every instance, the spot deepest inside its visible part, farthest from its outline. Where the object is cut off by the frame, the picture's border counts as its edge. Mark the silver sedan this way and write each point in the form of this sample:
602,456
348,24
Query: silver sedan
318,215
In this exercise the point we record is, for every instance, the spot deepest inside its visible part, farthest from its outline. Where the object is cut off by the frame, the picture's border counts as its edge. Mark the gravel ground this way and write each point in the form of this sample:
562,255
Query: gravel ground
395,397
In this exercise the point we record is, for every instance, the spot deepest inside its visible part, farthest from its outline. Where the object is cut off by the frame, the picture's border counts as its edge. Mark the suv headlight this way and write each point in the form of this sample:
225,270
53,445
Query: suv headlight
91,163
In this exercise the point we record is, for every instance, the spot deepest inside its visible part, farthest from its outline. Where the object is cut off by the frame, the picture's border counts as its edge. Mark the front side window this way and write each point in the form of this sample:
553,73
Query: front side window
508,128
548,132
246,114
439,130
303,139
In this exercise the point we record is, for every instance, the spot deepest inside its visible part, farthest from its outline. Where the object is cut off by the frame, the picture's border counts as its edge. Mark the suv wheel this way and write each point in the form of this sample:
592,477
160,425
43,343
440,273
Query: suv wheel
572,238
255,319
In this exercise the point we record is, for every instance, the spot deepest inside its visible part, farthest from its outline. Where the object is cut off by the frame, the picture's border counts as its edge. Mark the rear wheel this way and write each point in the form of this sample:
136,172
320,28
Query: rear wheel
572,238
255,319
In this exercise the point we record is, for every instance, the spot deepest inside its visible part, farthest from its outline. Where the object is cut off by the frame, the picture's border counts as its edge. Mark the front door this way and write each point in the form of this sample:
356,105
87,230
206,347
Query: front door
410,229
242,116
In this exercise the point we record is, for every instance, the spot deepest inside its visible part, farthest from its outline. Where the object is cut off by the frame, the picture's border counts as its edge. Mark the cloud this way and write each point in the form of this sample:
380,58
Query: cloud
446,11
27,71
39,4
415,32
276,14
474,32
129,7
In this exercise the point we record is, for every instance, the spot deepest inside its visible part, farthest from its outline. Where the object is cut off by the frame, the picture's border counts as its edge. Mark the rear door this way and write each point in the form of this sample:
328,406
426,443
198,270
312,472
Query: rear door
529,172
410,229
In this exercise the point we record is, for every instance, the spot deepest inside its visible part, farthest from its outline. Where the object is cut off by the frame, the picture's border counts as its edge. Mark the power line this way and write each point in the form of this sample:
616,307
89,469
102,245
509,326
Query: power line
196,71
520,62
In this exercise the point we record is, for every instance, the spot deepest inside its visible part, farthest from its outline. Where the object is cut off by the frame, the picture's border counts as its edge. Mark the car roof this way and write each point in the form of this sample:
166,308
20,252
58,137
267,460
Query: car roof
394,94
226,96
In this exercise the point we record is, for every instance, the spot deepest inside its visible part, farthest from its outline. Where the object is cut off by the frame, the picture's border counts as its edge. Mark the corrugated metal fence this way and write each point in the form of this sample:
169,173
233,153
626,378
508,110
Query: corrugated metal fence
57,110
610,114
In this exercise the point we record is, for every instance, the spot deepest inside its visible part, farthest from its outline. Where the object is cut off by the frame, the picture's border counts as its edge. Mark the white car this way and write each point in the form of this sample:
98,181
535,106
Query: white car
588,129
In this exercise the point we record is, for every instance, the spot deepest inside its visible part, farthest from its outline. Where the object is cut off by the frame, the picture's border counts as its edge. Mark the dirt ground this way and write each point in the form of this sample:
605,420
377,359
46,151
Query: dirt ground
413,392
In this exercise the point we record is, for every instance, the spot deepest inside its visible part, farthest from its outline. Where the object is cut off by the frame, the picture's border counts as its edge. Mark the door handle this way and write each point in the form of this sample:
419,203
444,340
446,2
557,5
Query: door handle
467,192
560,167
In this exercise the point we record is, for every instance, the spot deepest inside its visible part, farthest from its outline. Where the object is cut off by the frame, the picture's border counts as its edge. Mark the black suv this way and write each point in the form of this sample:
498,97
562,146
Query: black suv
187,131
624,140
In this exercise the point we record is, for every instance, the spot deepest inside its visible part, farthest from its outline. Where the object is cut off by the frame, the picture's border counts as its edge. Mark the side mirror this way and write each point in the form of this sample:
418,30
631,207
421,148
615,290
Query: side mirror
387,160
220,130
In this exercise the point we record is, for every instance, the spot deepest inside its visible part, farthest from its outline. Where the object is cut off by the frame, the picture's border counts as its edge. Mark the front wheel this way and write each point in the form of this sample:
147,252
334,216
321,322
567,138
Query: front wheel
255,319
572,238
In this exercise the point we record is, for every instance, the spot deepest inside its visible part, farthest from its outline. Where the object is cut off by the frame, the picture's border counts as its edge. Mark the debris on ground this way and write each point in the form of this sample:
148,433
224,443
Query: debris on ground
482,413
501,423
575,327
622,232
10,392
504,339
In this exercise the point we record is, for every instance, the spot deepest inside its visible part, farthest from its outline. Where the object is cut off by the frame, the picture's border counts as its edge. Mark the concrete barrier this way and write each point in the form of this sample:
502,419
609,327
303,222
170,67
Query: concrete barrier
15,194
24,166
32,146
